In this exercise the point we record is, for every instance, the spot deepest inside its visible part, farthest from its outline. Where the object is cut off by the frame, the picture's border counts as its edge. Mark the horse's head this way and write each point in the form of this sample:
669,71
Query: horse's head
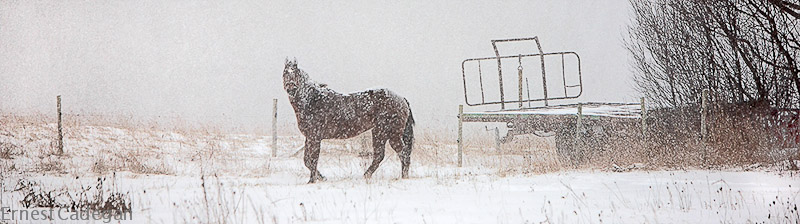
293,77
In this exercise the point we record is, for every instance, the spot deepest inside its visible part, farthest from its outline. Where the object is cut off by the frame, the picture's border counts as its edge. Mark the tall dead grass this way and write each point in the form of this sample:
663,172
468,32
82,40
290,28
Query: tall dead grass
738,135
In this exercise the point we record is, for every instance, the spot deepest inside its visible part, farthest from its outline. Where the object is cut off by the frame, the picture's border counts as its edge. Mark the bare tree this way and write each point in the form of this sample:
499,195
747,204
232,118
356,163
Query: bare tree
743,50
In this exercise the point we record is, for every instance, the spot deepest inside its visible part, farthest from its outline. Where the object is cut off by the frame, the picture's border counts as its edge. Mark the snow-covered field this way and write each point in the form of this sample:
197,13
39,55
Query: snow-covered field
230,178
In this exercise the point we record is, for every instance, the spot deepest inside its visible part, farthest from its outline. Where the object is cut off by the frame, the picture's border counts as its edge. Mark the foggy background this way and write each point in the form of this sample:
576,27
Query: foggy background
221,61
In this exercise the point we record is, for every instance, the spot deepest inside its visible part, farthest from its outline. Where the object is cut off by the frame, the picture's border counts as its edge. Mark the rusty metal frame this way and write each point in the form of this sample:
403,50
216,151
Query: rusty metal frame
541,55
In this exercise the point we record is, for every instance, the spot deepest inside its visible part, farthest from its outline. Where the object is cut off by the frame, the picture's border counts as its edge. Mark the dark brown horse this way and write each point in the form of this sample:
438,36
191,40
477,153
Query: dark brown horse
326,114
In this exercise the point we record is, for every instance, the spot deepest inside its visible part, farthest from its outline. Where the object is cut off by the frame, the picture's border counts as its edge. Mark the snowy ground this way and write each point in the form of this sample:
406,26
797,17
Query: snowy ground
207,177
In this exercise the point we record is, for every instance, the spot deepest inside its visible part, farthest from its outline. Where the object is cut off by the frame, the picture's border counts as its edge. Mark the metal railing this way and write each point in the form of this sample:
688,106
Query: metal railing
520,99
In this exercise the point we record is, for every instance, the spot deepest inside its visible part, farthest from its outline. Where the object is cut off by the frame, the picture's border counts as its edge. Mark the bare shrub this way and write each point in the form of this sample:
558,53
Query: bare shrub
6,168
95,198
34,196
9,150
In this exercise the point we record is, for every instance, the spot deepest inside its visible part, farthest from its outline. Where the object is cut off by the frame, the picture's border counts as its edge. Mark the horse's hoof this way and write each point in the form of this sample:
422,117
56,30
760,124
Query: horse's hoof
314,181
317,178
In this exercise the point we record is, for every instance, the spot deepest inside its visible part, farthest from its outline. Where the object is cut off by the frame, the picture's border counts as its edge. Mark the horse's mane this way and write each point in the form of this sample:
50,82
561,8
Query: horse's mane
313,87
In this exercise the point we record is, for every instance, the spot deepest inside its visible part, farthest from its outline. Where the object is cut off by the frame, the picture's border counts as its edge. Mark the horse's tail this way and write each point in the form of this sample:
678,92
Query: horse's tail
408,133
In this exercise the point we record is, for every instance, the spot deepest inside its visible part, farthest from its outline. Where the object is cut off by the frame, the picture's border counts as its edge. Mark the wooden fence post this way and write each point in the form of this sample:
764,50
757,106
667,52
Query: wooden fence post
644,116
60,133
703,119
274,127
644,138
460,133
497,139
579,123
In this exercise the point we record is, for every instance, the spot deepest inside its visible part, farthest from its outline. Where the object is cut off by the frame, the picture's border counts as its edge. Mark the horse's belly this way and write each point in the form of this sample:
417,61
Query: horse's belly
349,128
336,127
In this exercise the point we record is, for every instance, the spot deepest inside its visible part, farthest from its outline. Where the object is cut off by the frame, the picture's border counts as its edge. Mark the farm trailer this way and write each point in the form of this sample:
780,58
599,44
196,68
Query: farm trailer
573,125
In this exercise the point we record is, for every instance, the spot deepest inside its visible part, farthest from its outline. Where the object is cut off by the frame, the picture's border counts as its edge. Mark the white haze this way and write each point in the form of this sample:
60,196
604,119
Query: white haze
221,61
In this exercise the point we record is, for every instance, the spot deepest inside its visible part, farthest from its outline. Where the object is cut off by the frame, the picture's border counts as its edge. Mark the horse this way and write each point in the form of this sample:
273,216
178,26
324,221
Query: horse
323,113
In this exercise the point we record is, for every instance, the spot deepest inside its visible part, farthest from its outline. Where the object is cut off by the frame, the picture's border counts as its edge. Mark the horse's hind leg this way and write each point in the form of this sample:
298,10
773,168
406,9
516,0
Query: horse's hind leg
379,146
403,153
311,156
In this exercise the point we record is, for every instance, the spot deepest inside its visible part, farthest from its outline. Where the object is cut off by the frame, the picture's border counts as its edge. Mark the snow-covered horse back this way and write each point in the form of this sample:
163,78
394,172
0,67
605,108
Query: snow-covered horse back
326,114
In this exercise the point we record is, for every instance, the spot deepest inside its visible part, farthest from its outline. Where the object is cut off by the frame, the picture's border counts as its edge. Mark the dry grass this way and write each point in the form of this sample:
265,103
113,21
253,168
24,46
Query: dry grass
130,161
737,138
136,146
673,140
49,164
525,154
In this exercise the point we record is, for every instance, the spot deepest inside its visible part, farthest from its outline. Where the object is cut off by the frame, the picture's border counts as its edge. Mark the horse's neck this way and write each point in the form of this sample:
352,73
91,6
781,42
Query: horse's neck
303,97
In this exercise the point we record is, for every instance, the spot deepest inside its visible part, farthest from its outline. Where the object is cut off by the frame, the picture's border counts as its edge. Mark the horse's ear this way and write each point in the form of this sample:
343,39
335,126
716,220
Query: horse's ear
295,60
286,61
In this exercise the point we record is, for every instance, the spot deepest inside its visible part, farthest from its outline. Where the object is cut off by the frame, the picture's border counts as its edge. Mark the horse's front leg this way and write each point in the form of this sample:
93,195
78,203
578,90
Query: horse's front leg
311,156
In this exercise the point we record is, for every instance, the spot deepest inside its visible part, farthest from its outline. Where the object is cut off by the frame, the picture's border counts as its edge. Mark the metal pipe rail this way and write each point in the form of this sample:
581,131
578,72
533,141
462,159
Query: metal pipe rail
503,101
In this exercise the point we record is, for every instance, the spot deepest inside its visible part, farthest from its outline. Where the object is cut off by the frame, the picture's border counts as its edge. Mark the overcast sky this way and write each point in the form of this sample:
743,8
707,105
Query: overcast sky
221,61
